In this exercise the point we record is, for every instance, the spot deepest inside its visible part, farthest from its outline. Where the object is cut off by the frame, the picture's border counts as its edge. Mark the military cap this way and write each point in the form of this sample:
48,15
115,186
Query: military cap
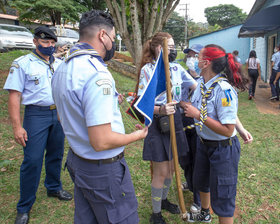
44,32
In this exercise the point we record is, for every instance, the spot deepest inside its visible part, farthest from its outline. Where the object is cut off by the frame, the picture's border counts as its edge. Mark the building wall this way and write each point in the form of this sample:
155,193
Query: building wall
226,38
262,47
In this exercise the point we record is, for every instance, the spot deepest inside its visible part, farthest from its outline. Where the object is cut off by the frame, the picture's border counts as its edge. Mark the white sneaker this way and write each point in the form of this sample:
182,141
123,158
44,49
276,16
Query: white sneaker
199,217
195,208
184,186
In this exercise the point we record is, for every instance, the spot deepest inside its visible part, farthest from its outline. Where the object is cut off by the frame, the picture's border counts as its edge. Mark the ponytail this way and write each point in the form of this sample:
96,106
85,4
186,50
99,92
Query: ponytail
223,62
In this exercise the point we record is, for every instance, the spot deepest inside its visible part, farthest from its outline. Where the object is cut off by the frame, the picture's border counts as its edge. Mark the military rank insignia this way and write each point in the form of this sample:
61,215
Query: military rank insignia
42,35
225,102
106,91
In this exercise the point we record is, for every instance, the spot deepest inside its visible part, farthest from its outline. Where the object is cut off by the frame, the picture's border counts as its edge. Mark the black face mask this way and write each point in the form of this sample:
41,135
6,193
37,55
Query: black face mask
109,53
172,55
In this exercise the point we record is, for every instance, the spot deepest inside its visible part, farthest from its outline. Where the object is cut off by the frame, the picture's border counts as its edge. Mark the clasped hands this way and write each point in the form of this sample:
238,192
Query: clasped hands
190,110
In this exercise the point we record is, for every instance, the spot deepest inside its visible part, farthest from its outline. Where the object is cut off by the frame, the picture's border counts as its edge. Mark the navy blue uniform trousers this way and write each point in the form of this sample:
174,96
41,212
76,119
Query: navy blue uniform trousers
44,132
103,193
274,88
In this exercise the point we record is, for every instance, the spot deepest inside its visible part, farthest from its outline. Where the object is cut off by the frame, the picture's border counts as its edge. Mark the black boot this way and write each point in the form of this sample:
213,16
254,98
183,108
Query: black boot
156,218
172,208
22,218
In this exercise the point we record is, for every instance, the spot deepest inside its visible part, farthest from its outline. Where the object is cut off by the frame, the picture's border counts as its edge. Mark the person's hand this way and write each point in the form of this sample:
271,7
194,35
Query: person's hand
191,111
120,98
141,132
246,136
20,136
274,82
168,109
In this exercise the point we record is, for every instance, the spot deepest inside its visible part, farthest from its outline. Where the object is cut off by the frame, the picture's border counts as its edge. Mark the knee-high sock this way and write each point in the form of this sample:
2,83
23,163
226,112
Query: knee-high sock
156,199
166,186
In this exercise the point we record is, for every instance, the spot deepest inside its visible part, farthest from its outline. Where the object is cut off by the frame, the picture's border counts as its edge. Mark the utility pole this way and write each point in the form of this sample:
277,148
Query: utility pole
186,26
186,23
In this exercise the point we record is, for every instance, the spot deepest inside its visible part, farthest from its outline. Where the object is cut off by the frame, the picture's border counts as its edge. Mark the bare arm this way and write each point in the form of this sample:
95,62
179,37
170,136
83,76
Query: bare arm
216,126
244,134
20,134
277,77
103,138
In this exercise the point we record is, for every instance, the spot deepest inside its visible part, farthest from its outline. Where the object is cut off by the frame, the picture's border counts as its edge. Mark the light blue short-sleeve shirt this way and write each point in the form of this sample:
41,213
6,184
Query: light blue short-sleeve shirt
85,95
221,107
31,75
276,59
180,79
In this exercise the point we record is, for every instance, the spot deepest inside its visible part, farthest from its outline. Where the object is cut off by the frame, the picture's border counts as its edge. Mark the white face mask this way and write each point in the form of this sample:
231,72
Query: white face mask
191,62
275,50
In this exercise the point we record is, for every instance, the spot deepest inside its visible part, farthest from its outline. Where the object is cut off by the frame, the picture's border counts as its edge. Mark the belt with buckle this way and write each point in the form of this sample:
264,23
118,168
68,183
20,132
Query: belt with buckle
102,161
216,143
51,107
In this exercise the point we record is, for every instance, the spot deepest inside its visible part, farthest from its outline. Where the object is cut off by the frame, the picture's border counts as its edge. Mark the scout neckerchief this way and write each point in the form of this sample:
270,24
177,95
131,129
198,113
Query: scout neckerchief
205,96
49,63
83,49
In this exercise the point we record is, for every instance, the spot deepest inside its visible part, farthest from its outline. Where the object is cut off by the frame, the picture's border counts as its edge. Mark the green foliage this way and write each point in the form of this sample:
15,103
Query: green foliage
175,26
3,4
92,4
224,15
56,11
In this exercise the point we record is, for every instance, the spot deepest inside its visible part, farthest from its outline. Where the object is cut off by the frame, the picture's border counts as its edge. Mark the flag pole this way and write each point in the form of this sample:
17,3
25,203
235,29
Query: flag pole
172,131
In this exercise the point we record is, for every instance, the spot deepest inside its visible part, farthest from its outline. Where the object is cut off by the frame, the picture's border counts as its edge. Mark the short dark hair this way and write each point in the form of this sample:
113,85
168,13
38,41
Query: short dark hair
94,19
235,52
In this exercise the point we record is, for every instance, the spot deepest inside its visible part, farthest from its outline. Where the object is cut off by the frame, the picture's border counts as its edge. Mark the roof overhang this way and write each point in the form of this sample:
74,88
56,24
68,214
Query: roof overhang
262,22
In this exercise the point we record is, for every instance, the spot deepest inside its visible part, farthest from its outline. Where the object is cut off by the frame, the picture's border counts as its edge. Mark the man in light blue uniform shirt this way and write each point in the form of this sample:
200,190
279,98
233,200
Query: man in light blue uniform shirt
87,102
29,83
275,60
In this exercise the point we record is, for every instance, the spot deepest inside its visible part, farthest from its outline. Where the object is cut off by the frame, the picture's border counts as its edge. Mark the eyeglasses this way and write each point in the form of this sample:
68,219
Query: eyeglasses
171,47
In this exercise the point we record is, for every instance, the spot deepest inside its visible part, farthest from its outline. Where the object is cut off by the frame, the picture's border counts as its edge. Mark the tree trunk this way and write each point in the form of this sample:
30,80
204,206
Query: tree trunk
144,19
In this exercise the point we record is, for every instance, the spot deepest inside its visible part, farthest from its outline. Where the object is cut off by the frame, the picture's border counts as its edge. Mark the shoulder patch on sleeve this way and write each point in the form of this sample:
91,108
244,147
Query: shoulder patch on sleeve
101,82
15,64
225,102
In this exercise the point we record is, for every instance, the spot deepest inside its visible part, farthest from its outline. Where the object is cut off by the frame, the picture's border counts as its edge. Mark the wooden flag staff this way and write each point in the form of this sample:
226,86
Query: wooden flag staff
172,131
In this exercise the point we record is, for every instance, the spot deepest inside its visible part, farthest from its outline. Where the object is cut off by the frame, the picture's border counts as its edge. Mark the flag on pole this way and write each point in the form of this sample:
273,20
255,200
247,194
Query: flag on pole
156,86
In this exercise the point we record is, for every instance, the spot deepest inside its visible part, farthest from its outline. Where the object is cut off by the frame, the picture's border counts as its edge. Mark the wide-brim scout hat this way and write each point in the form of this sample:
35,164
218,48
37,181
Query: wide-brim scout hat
45,33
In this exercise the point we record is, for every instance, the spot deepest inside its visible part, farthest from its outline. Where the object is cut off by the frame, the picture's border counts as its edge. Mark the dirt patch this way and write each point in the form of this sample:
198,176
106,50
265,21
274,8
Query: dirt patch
262,101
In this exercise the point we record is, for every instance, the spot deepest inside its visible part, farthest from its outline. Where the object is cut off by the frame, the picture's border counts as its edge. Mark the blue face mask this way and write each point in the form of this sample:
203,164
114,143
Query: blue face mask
196,68
46,50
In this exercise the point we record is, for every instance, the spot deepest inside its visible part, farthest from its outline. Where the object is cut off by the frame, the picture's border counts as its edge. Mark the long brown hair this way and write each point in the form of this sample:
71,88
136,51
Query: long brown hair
149,53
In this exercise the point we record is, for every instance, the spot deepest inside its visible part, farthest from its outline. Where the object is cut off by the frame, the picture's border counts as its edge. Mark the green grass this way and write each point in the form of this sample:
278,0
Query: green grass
259,170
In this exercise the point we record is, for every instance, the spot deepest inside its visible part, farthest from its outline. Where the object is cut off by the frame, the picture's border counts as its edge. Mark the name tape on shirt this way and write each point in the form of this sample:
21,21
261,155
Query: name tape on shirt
225,102
104,82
